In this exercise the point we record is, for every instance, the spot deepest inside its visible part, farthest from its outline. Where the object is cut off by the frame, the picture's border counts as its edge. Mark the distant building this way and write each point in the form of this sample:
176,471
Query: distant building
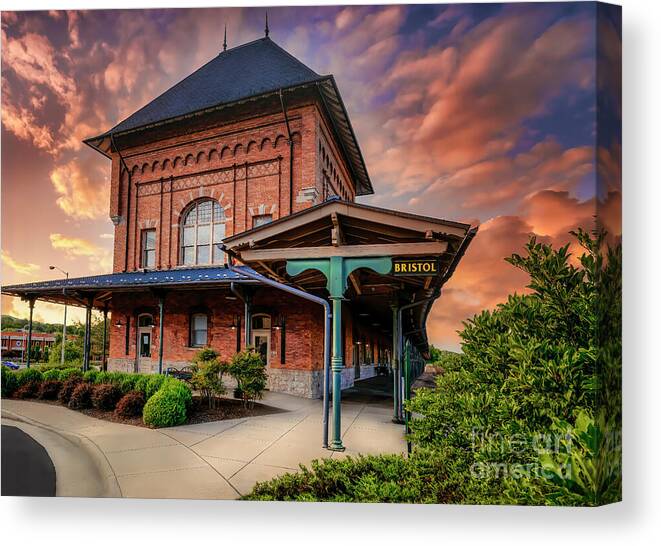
14,342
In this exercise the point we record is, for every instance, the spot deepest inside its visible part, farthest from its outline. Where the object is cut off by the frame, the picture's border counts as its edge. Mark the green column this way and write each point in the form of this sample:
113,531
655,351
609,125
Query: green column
337,270
337,364
396,383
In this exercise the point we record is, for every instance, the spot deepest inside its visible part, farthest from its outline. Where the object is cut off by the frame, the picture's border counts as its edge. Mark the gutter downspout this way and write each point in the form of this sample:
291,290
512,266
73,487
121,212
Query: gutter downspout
128,199
247,311
327,329
291,154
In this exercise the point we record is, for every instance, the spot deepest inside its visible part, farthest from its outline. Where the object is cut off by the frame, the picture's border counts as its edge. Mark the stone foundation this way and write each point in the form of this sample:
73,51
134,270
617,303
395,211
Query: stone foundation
304,383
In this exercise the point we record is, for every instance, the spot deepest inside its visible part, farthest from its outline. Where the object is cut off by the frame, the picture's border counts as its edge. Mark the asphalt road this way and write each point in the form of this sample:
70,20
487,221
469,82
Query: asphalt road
27,470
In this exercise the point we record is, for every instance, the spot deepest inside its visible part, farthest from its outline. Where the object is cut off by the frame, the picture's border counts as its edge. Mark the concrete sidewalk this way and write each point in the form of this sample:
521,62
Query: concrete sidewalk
216,460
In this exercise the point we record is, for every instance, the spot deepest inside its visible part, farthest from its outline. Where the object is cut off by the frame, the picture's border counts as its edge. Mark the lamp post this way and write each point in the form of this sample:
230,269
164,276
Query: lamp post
64,326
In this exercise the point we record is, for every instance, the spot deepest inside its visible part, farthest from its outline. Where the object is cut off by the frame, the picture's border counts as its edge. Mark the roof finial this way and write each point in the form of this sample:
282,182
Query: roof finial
266,27
225,39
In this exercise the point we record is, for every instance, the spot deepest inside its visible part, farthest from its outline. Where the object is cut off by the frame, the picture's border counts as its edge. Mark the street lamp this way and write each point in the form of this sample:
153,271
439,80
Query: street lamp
64,326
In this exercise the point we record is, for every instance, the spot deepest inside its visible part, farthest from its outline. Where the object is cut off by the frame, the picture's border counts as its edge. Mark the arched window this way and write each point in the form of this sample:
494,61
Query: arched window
203,229
261,322
145,319
198,329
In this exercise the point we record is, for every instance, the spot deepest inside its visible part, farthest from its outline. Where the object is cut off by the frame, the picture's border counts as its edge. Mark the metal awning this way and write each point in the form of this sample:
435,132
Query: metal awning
77,291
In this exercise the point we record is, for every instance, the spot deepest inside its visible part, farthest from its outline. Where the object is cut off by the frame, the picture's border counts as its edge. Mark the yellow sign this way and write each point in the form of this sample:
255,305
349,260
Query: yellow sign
409,267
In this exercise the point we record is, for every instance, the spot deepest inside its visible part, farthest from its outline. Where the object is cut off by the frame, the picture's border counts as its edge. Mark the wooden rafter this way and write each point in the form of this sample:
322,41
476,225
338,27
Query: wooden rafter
432,248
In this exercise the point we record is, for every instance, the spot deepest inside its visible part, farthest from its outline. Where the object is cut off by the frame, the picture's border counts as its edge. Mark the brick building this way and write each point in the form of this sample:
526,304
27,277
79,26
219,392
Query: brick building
14,342
253,157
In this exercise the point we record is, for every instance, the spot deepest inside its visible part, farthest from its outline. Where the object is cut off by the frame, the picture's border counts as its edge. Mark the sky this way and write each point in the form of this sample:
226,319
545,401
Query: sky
493,114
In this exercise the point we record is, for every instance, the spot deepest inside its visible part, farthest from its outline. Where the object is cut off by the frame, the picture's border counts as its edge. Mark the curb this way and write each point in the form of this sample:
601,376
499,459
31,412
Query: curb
92,476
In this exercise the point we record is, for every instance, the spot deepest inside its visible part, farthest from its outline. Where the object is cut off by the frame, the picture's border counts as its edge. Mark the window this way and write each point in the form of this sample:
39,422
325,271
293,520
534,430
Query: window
202,233
148,245
145,320
261,322
198,330
261,219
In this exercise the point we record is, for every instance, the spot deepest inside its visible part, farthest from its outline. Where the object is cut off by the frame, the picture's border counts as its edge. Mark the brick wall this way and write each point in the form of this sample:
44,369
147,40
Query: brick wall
244,165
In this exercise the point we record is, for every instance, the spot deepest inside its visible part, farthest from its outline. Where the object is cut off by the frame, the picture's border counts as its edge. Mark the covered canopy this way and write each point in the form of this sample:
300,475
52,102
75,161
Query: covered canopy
99,288
351,230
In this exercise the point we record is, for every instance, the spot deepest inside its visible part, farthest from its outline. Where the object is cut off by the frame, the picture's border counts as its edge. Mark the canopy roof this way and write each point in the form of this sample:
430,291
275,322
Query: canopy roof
100,287
347,229
254,70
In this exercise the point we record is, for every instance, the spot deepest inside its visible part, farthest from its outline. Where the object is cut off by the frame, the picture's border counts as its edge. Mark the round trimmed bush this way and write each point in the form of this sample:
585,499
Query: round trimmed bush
81,397
67,389
105,396
169,406
27,390
130,405
49,389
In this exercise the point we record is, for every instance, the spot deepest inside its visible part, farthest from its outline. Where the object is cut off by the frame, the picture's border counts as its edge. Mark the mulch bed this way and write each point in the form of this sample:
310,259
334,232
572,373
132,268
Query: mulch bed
227,408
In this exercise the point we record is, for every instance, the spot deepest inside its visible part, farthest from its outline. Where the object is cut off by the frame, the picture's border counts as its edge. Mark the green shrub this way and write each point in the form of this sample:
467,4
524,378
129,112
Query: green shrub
208,375
180,389
81,397
67,388
382,478
52,374
249,371
129,382
68,373
168,407
90,376
105,396
49,389
141,384
130,405
9,382
529,369
28,375
154,383
73,354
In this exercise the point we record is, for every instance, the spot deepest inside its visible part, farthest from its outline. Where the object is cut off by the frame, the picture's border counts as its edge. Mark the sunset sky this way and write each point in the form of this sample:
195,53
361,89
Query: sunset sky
483,113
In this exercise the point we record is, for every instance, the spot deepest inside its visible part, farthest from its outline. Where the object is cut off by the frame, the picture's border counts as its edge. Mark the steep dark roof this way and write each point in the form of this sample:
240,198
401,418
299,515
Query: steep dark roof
244,71
257,68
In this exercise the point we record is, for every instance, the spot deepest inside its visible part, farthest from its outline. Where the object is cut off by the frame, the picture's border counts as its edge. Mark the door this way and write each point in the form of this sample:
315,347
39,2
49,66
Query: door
143,349
262,344
261,336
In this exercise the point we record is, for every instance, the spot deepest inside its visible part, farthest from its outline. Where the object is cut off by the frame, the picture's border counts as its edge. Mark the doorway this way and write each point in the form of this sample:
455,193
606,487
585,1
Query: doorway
261,336
144,337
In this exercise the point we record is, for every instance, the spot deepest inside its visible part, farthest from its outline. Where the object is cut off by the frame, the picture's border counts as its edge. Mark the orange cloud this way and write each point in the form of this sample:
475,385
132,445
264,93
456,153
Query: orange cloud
100,258
79,196
27,269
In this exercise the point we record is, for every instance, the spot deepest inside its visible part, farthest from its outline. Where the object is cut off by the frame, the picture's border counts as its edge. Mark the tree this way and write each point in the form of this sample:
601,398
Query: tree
208,375
541,368
249,370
